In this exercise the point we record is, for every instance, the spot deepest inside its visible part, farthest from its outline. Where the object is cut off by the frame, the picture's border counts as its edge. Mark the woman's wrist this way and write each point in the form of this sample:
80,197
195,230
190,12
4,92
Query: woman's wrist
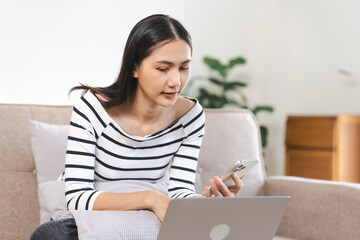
149,198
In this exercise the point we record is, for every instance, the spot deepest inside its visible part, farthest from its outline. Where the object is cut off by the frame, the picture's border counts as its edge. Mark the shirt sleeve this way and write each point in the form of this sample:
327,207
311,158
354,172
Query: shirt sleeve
80,193
184,164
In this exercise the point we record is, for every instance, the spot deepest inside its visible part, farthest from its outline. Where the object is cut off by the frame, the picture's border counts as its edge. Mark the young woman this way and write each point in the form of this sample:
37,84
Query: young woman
139,128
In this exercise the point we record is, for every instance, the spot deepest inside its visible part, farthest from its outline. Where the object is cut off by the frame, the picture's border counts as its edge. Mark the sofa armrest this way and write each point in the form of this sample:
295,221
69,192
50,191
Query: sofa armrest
318,209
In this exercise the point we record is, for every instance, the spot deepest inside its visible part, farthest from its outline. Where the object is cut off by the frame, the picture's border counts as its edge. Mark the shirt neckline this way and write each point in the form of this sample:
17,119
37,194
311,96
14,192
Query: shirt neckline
99,107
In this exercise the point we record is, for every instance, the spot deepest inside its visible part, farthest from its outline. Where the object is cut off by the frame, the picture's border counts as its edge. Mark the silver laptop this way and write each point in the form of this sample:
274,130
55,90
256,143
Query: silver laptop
248,218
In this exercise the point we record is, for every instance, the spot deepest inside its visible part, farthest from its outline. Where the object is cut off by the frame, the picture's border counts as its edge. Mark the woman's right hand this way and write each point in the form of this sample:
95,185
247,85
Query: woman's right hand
158,203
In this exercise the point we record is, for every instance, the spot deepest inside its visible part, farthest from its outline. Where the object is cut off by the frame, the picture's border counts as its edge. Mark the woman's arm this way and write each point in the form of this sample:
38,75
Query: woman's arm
184,163
80,191
152,200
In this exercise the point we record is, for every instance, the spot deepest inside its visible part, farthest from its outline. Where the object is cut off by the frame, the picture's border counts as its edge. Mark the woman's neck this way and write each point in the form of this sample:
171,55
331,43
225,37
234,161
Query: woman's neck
144,112
140,117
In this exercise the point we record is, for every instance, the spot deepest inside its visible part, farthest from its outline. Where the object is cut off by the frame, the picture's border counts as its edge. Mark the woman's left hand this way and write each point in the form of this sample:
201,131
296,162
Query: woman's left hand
218,189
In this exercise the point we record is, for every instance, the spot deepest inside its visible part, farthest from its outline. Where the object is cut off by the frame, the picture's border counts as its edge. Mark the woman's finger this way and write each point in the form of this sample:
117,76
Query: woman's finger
207,192
215,189
222,187
238,184
236,178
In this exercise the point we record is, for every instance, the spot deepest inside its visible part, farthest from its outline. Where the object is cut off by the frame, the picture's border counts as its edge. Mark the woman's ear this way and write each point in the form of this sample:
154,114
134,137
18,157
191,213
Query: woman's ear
135,73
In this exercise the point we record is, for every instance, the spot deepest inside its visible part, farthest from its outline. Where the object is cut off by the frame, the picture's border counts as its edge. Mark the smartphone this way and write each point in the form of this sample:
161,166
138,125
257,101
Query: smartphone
240,168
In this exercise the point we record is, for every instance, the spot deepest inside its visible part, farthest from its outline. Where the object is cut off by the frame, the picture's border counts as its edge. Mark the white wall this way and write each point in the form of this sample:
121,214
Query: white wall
304,43
48,46
293,48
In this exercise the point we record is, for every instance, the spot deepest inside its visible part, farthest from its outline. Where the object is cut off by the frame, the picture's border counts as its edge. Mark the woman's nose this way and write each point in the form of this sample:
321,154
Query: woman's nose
174,80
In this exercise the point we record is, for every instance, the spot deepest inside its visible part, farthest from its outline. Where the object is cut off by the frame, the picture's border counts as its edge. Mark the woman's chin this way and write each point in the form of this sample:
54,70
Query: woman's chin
166,101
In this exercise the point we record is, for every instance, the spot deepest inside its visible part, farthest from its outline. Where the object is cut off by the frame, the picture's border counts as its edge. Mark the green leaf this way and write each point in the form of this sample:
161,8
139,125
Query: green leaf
203,98
204,92
216,65
233,85
262,108
210,100
264,135
215,81
236,61
213,63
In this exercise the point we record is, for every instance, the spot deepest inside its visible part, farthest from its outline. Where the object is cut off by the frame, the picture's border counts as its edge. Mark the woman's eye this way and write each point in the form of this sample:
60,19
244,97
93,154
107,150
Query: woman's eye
163,69
184,68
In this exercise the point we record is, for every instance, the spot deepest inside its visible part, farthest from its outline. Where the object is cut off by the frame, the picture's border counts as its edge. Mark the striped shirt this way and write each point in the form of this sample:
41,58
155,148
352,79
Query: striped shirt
99,149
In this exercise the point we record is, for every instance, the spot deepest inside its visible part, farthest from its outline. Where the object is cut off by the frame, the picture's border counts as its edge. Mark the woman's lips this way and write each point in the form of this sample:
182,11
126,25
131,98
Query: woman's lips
169,94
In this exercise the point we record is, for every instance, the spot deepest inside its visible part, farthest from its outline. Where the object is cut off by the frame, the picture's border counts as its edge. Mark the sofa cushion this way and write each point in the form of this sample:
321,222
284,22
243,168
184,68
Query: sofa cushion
318,209
230,135
19,215
18,201
15,149
48,144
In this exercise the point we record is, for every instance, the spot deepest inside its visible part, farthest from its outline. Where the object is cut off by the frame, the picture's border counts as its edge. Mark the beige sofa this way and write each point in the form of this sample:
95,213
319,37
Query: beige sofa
318,209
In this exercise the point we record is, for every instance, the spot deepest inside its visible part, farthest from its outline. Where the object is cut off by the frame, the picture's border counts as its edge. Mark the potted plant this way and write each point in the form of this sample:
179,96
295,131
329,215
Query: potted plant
227,92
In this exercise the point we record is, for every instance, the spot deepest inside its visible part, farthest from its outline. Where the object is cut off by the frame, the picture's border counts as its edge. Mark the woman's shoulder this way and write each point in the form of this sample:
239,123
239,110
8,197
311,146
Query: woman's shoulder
90,108
185,103
188,107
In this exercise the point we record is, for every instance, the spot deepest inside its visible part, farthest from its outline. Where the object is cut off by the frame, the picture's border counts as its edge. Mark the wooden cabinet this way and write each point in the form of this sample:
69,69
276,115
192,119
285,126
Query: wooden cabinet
323,147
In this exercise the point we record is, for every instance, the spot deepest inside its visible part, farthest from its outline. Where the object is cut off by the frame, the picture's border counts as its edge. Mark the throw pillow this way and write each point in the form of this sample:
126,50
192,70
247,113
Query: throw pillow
117,225
52,199
48,145
140,225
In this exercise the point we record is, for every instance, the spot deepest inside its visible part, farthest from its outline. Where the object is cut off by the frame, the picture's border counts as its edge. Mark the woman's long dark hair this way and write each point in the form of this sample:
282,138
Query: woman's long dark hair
147,35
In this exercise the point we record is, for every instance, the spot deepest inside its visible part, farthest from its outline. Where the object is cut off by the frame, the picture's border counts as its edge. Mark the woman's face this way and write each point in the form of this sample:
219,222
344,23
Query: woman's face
164,73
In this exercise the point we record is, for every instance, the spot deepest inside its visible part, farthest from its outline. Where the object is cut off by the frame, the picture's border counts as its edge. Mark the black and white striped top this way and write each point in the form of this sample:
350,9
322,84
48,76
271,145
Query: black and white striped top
99,149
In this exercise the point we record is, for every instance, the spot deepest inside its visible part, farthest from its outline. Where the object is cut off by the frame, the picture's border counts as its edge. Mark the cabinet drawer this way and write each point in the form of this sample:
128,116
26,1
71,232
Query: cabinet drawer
310,164
314,132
